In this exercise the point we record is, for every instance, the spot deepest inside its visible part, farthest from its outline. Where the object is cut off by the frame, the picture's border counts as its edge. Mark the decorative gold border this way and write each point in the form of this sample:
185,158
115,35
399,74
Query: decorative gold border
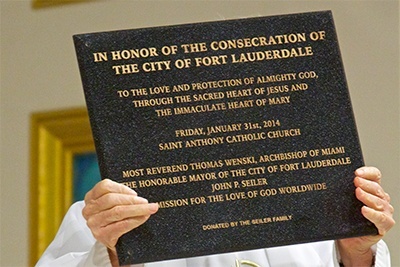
56,136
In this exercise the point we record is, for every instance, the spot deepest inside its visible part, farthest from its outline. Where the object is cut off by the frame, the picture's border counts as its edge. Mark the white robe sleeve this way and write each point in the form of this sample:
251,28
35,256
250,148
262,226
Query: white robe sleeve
382,255
74,244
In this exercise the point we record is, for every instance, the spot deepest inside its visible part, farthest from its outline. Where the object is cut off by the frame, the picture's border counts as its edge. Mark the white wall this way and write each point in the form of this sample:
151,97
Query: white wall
39,72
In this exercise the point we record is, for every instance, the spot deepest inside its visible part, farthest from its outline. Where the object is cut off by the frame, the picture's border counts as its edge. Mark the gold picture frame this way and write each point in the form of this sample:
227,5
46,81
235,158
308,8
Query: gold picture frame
49,3
56,136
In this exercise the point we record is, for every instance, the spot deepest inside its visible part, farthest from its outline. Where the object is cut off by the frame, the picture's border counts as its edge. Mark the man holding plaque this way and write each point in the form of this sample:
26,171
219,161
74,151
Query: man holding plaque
112,209
208,100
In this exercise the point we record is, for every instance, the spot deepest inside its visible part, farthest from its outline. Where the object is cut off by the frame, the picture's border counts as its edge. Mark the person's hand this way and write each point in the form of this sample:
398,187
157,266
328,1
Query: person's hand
357,251
112,209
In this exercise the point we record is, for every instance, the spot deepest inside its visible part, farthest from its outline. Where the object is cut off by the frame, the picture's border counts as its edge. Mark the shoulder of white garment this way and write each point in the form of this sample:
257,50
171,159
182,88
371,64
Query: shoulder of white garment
295,255
314,254
74,244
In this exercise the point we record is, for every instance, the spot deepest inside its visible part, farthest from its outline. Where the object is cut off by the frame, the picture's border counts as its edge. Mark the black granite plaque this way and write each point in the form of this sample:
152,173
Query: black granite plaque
242,131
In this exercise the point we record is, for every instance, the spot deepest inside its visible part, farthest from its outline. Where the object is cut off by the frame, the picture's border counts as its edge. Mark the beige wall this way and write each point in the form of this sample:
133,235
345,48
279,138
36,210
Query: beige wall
39,72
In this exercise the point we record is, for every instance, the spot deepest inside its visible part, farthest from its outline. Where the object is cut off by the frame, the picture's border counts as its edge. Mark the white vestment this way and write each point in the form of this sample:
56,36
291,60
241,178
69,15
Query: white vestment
74,245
